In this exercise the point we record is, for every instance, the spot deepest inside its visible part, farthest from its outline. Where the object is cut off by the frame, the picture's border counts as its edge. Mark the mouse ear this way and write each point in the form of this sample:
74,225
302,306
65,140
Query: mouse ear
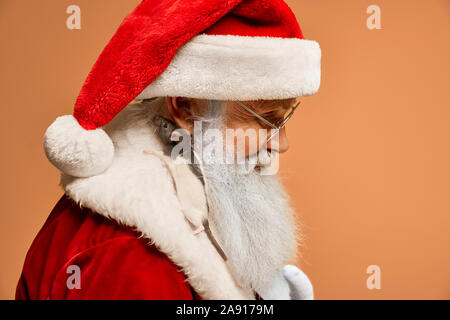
175,136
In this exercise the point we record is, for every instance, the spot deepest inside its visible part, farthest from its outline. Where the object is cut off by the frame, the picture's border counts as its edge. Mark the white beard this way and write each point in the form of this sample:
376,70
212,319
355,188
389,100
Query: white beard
253,221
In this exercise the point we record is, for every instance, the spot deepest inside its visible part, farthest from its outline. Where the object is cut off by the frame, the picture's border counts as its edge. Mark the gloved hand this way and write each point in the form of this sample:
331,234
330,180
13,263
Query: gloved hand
288,284
300,287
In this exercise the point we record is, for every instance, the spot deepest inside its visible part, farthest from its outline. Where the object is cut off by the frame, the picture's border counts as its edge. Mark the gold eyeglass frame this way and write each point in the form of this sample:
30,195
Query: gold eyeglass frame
267,122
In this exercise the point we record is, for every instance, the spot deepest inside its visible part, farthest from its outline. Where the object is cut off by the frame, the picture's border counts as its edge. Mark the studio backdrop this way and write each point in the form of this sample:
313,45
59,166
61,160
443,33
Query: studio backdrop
368,169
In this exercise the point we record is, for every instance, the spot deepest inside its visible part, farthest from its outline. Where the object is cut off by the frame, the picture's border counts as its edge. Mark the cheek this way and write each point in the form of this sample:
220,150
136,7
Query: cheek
243,137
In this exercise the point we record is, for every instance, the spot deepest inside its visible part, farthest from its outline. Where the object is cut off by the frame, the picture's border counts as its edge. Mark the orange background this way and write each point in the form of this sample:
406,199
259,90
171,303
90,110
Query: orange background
369,164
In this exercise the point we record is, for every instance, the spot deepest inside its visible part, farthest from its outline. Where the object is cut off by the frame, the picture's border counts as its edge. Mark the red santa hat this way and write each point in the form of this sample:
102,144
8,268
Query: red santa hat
210,49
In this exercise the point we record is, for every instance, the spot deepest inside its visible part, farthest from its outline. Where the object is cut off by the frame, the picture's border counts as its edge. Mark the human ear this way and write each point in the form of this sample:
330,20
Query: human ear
181,112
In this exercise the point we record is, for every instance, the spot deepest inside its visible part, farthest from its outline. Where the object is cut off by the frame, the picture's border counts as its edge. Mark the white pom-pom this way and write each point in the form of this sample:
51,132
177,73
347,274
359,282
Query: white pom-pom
77,151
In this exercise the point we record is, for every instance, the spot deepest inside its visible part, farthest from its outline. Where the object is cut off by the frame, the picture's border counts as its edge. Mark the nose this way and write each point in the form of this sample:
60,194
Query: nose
279,142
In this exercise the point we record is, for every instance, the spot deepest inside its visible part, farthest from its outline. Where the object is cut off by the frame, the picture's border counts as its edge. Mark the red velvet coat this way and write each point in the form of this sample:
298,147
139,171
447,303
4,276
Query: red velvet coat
114,262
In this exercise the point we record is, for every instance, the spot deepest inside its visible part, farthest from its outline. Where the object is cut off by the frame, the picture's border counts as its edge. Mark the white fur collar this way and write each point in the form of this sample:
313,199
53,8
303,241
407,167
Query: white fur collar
138,191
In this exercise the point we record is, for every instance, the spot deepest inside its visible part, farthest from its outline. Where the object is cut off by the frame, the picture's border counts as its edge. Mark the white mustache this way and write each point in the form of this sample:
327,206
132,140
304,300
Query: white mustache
255,162
265,158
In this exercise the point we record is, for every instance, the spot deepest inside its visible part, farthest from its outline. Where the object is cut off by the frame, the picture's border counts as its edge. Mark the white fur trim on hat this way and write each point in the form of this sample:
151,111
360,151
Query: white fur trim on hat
226,67
76,151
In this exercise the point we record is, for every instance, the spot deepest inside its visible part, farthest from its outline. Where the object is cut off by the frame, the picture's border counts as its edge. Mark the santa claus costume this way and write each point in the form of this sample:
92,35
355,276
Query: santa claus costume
122,221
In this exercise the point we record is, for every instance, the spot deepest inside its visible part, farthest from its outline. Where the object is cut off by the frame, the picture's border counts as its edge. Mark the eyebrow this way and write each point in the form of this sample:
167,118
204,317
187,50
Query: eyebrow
284,105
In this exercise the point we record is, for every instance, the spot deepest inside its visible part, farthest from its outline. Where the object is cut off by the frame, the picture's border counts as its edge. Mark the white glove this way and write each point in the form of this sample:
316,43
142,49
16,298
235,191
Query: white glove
300,287
288,284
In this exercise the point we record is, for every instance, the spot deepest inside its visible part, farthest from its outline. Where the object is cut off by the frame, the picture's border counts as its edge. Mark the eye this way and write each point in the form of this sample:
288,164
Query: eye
278,122
275,117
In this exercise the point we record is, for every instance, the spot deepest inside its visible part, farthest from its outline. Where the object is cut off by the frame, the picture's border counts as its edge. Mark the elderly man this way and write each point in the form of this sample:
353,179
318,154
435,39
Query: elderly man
176,196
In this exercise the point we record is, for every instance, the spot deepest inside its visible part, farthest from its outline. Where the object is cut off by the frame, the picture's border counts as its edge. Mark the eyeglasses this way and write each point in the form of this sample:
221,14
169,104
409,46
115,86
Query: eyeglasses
276,127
